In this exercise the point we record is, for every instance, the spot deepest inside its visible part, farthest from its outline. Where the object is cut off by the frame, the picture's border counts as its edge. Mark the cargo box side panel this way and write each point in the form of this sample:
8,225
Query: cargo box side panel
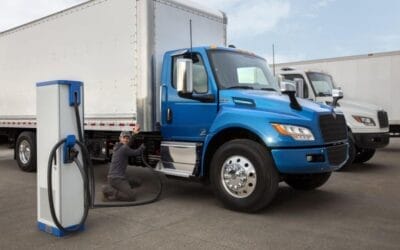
93,42
172,31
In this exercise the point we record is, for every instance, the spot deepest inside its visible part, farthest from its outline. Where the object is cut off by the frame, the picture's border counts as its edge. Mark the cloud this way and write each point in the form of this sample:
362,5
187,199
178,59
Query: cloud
252,17
17,12
323,3
315,7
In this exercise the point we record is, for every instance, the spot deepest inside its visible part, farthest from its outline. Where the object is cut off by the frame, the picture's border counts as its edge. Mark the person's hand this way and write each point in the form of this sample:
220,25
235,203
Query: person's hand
136,129
142,147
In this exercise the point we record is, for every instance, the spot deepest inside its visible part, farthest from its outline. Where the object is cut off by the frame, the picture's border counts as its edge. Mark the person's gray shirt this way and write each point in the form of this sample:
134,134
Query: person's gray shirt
119,161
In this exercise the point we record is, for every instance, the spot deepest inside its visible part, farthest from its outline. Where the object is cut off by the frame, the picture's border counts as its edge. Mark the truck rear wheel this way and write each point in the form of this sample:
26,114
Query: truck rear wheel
364,154
243,175
307,181
25,149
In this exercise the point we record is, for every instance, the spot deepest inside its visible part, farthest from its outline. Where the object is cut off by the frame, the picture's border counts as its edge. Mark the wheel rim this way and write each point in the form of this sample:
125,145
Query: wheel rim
238,176
24,152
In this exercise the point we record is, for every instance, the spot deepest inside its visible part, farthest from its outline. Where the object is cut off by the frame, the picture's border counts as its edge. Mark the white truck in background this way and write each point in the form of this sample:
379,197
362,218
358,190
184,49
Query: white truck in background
367,123
371,78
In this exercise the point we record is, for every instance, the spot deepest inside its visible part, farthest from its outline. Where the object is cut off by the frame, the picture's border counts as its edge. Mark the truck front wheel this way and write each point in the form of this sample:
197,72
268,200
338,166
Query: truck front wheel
364,154
26,151
307,181
243,175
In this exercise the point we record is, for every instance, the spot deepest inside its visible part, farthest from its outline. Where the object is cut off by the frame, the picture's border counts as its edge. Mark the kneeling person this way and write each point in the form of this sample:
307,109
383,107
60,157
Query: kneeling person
119,187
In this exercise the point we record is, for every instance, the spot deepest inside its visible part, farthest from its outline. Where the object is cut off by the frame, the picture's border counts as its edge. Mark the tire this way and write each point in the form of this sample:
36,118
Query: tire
363,154
243,175
25,149
307,181
352,153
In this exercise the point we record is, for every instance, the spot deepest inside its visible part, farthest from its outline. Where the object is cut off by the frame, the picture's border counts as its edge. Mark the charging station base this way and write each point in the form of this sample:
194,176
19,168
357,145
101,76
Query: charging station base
55,231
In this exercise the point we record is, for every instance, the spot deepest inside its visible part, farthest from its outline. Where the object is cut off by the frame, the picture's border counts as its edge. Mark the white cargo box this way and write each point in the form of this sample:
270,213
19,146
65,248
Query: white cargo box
114,46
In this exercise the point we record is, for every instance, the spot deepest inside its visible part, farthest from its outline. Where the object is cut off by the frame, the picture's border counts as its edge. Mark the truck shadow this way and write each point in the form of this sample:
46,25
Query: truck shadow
390,150
367,168
289,200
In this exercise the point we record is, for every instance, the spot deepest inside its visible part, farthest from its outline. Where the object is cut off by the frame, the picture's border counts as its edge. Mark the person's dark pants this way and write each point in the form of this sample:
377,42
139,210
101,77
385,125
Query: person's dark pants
122,190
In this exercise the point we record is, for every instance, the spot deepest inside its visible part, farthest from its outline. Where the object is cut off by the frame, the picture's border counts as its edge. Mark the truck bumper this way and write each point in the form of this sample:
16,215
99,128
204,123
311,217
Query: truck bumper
310,160
371,140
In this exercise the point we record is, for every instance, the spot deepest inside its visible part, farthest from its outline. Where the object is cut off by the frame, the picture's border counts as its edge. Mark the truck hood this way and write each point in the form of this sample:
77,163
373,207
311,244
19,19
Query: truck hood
271,102
352,105
361,106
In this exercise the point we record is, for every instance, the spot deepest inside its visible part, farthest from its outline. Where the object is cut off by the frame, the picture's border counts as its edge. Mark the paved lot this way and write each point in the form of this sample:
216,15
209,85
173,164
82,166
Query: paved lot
358,209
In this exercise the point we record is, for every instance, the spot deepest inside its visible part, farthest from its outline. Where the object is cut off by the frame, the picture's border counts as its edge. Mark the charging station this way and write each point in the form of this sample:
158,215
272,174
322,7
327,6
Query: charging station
57,130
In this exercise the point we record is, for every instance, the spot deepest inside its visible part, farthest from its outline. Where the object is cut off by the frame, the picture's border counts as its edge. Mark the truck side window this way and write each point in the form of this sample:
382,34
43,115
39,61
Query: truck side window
293,76
200,80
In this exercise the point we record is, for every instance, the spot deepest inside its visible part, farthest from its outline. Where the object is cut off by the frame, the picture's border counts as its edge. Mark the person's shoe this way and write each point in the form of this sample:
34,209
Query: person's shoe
108,198
135,183
108,190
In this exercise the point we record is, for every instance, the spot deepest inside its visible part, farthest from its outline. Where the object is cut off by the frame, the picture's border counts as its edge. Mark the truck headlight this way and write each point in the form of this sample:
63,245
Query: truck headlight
367,121
296,132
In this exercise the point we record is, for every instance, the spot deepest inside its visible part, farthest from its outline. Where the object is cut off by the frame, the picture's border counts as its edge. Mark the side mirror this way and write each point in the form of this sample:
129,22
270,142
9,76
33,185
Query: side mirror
289,88
184,77
299,87
337,94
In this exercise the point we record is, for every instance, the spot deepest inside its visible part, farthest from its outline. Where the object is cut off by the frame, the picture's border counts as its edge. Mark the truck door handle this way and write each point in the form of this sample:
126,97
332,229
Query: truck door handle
169,115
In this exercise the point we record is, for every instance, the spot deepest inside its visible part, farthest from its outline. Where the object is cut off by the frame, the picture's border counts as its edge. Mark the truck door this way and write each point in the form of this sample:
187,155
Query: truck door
187,119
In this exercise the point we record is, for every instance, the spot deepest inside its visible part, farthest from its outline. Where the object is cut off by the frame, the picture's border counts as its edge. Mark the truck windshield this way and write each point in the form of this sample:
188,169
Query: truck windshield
240,70
322,83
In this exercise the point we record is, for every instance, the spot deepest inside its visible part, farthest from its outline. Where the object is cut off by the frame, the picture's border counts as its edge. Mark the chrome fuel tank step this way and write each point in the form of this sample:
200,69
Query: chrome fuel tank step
179,158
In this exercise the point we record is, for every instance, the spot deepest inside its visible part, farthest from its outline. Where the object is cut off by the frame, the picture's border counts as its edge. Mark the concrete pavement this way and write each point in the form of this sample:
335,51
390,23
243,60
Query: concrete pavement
357,209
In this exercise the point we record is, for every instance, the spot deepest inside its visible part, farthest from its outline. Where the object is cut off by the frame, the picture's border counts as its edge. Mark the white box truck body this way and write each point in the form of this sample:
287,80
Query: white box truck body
115,46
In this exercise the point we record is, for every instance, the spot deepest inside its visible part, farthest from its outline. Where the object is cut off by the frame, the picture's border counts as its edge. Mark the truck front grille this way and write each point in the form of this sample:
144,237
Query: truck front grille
383,119
333,128
337,154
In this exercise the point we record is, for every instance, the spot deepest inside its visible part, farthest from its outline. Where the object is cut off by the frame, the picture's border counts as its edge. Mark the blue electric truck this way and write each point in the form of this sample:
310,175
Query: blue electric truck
210,113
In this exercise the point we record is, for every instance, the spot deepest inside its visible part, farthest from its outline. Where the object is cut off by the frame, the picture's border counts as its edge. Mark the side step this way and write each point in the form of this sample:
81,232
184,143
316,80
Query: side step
180,159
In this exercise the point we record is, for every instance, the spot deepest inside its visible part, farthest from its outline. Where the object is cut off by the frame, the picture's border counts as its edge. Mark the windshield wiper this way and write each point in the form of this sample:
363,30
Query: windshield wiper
240,87
269,89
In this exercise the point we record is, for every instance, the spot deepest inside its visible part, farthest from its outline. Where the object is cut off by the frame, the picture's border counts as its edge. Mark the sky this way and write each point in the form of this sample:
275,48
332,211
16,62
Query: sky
299,29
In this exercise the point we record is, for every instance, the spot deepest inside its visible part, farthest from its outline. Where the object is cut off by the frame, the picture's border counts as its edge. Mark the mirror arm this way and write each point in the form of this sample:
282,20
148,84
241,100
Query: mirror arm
294,104
335,101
